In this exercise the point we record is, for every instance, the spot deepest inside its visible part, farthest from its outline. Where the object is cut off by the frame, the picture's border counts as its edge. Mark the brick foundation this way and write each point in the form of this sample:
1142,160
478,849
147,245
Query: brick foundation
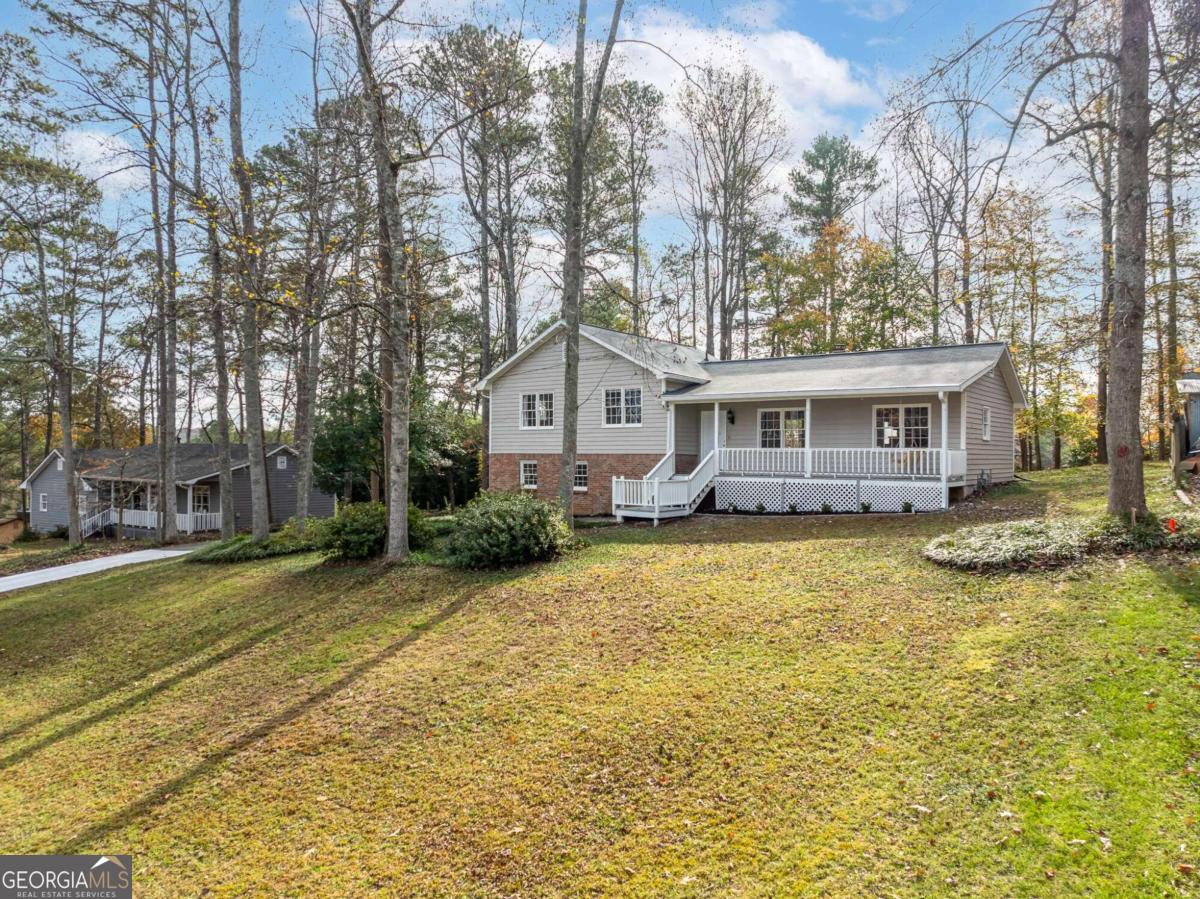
602,468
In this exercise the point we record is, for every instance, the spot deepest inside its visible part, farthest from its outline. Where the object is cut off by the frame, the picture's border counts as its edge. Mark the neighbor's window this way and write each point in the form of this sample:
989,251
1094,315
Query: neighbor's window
58,464
537,410
281,461
906,426
200,497
581,475
43,503
622,407
529,476
781,428
987,424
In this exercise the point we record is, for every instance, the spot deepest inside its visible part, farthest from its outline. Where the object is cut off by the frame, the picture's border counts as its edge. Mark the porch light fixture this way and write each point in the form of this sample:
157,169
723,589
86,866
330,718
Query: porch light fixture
729,416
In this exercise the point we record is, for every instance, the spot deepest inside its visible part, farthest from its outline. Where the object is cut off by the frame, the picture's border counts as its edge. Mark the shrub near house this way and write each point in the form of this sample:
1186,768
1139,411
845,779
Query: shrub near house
500,529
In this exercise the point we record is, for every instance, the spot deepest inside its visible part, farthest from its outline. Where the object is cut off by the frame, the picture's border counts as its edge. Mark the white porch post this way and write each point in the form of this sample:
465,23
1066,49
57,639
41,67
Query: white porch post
717,435
945,451
962,420
808,437
671,407
189,509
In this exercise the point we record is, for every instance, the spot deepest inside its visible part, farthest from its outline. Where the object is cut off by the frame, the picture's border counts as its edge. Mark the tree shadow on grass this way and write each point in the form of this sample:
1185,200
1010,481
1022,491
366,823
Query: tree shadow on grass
130,701
182,641
97,833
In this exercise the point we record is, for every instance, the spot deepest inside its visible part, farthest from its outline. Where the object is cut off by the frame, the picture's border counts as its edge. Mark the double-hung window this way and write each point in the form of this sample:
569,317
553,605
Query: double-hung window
987,424
43,503
537,410
781,429
902,426
581,477
200,498
529,480
281,461
622,407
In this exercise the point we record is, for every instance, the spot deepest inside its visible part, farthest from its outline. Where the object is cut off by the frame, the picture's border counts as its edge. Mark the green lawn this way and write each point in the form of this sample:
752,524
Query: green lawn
776,706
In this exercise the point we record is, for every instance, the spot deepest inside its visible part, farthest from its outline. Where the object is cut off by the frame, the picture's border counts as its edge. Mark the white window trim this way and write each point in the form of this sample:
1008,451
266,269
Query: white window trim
537,395
43,502
604,407
901,406
781,410
521,474
987,425
586,476
58,464
198,491
281,461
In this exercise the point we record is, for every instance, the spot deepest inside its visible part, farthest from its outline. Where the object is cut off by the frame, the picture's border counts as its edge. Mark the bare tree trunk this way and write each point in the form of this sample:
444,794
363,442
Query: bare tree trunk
1106,297
396,288
1126,487
252,423
581,136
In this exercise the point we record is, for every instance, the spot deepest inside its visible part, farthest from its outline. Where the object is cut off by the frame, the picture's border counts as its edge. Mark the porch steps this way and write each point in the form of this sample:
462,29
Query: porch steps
668,511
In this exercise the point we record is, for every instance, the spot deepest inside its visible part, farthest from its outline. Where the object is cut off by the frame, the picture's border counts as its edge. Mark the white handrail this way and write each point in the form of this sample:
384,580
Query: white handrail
95,522
664,468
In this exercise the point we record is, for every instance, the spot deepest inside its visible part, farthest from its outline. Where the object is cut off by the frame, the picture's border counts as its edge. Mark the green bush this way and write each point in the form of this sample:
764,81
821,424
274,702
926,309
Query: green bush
1044,543
244,549
29,535
440,526
421,532
357,531
500,529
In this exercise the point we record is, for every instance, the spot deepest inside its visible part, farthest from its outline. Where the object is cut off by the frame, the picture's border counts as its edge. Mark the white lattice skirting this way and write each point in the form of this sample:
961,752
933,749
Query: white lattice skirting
807,495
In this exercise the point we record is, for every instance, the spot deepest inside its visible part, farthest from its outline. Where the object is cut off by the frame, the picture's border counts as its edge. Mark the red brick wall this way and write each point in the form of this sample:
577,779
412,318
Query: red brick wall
602,468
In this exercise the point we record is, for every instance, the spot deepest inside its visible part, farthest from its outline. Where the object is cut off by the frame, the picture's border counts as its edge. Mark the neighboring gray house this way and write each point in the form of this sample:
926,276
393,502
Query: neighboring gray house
660,426
1188,386
120,486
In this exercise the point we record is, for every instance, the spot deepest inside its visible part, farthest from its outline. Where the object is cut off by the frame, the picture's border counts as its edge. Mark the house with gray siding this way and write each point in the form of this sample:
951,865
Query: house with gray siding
661,427
119,488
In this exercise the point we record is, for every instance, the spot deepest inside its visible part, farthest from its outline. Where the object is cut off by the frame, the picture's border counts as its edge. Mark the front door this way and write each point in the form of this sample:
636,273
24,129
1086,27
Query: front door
706,432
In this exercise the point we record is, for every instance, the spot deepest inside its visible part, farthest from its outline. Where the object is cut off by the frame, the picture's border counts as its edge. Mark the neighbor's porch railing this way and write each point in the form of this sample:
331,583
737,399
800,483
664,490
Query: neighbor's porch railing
842,462
185,523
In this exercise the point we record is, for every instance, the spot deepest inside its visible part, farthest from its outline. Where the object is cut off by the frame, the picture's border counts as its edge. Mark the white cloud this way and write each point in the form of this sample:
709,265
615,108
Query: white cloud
875,10
104,158
815,91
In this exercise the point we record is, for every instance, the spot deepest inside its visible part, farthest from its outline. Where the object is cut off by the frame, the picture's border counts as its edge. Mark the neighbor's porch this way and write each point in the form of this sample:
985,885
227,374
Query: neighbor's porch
134,504
806,454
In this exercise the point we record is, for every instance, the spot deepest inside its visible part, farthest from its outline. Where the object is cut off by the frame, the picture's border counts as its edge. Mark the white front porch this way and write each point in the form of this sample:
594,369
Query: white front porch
882,453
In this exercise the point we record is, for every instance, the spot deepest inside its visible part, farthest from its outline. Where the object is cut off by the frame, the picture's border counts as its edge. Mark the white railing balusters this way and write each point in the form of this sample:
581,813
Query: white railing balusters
911,462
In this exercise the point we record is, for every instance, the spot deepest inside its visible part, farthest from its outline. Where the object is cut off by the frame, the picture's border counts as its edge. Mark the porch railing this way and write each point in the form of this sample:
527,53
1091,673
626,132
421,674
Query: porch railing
865,462
185,523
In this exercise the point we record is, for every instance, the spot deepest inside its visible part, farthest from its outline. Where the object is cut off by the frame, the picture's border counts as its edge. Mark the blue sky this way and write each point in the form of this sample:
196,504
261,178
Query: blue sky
874,40
831,64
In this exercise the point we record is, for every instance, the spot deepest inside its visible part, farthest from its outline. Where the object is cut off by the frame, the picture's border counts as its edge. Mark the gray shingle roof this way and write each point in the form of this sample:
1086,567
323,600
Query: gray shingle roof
140,463
672,359
917,369
1189,382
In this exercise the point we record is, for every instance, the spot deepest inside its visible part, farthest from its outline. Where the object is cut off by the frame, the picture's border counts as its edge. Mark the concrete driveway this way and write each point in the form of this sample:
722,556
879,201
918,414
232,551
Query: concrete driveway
89,566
